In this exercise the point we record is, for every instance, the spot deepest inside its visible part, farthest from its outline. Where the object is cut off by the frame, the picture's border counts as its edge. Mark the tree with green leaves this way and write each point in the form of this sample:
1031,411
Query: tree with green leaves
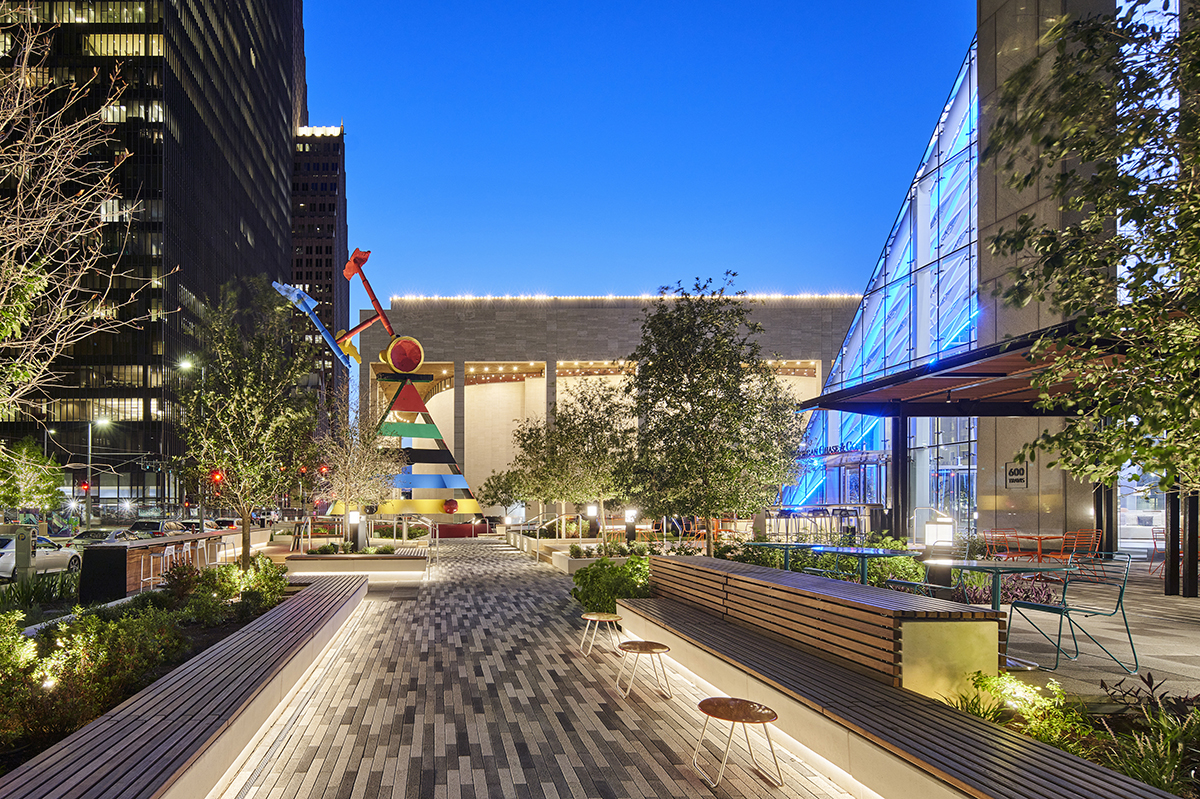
1105,123
360,462
593,433
576,458
717,432
245,414
28,479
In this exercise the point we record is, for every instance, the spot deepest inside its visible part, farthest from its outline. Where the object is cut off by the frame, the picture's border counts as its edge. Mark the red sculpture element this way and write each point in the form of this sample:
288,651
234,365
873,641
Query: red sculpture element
404,354
354,267
450,506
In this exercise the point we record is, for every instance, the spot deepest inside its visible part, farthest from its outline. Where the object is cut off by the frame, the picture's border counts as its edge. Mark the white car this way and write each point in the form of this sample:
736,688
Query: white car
47,556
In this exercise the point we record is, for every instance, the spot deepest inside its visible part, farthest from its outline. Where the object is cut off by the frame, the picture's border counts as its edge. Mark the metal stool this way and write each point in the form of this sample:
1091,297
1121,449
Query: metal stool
637,649
164,558
203,550
736,711
597,619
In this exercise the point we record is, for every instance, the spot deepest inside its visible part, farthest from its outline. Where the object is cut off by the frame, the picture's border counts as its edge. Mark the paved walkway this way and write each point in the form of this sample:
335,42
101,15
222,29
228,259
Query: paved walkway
472,685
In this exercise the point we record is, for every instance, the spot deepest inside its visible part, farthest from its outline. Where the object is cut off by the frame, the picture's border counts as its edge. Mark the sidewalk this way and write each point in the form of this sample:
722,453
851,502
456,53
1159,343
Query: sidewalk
472,685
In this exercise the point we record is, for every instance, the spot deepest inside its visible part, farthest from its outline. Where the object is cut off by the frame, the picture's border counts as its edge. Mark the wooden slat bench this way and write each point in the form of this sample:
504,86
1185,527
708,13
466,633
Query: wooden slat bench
178,737
862,732
916,642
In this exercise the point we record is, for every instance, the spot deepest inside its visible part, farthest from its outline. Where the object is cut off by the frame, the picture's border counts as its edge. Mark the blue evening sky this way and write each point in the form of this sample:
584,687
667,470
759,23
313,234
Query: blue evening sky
594,148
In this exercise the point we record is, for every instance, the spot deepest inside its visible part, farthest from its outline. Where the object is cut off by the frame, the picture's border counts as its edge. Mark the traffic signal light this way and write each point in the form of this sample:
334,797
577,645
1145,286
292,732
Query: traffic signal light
217,476
84,486
303,470
323,469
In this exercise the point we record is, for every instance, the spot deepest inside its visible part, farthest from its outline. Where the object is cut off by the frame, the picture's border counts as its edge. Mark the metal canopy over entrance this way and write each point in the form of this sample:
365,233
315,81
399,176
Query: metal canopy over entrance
992,381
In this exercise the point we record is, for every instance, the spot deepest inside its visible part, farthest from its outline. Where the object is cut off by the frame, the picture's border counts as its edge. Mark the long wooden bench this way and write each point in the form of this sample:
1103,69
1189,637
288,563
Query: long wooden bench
869,735
178,737
917,642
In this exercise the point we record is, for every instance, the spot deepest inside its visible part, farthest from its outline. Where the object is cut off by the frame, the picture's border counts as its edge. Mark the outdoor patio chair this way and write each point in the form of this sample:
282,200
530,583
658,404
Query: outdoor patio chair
1101,578
998,543
939,580
1158,538
1076,543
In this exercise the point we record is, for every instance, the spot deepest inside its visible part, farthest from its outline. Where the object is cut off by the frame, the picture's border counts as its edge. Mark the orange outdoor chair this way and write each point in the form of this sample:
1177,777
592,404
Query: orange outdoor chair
1000,544
1077,543
1158,537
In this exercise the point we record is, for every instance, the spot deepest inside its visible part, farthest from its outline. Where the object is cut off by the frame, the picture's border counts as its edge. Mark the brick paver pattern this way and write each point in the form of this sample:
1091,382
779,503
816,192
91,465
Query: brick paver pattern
473,685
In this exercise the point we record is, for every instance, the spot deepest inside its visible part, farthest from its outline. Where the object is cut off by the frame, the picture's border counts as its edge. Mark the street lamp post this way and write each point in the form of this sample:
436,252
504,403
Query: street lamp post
88,494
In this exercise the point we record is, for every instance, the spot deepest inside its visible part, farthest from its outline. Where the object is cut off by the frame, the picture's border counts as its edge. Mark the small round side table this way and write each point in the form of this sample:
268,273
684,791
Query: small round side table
736,711
637,649
608,619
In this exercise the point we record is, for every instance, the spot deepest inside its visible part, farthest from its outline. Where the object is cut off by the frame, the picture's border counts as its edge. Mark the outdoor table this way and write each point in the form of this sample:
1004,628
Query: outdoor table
864,555
786,547
1001,567
1040,538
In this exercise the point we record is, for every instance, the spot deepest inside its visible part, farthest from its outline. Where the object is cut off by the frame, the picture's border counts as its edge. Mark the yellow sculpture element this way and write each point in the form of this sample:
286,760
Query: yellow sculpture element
348,347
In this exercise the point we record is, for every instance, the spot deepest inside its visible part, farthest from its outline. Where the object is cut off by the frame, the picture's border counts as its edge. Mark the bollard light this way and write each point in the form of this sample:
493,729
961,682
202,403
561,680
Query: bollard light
591,510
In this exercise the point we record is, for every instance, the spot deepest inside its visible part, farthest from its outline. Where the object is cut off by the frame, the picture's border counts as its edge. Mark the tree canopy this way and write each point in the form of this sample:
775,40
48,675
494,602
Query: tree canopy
717,431
1106,124
62,219
361,462
576,458
244,411
28,479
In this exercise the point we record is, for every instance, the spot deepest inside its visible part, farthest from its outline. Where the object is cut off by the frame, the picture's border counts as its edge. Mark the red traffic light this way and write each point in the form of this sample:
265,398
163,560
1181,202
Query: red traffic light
217,476
84,486
303,470
323,469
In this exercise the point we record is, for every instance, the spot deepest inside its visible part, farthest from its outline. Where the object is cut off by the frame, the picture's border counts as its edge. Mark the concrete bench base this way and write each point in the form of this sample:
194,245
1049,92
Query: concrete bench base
356,564
852,761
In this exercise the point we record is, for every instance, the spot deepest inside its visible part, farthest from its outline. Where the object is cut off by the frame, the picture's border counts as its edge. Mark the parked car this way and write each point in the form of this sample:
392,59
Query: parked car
156,527
229,523
103,535
193,525
47,556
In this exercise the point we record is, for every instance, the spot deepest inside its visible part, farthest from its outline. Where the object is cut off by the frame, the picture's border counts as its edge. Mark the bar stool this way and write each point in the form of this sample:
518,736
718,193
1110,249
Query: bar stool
637,649
203,548
597,619
736,711
166,557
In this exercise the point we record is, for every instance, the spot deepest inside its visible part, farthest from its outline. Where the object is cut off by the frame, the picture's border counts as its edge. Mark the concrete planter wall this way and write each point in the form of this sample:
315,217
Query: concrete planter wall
569,565
355,564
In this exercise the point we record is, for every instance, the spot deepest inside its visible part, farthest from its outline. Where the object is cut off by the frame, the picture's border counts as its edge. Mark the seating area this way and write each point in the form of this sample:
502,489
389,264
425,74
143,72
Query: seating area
893,741
178,737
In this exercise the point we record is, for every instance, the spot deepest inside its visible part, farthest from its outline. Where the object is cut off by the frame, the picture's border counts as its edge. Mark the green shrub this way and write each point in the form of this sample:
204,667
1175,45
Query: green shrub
387,550
325,549
575,551
223,581
1161,752
639,548
207,609
180,581
599,586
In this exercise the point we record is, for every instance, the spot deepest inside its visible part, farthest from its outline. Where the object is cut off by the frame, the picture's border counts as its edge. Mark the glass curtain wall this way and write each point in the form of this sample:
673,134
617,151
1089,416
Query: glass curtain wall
919,306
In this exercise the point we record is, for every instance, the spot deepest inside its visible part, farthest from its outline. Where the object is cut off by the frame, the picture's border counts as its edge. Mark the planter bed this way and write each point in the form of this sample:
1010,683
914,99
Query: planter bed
569,565
178,737
406,560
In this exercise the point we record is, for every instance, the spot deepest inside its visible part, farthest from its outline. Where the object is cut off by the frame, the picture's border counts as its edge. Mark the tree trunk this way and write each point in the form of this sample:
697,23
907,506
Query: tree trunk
245,540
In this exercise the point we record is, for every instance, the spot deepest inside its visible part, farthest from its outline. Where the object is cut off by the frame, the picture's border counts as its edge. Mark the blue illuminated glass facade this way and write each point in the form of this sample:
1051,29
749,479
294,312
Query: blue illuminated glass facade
920,305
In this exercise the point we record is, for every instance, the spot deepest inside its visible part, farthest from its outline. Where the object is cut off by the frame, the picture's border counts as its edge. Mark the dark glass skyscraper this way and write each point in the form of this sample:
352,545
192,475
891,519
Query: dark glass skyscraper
208,115
319,235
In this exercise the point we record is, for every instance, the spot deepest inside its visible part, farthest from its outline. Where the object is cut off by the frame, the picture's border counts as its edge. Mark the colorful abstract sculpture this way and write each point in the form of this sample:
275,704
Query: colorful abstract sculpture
406,416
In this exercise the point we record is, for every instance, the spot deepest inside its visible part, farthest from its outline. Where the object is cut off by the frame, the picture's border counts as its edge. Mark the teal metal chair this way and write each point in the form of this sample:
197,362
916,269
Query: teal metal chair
1102,579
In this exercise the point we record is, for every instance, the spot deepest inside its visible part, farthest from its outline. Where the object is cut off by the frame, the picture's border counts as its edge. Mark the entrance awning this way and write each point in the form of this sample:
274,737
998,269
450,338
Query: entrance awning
991,381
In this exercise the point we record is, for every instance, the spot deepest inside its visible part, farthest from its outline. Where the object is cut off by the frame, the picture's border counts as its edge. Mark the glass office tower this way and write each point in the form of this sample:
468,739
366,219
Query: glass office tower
208,118
920,305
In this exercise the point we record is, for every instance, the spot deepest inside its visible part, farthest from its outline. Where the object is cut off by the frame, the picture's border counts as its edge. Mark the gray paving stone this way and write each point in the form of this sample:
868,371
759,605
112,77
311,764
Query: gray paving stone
474,686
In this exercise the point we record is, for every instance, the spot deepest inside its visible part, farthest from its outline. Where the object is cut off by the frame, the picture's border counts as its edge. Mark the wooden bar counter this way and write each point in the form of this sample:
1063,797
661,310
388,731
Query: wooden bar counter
114,569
